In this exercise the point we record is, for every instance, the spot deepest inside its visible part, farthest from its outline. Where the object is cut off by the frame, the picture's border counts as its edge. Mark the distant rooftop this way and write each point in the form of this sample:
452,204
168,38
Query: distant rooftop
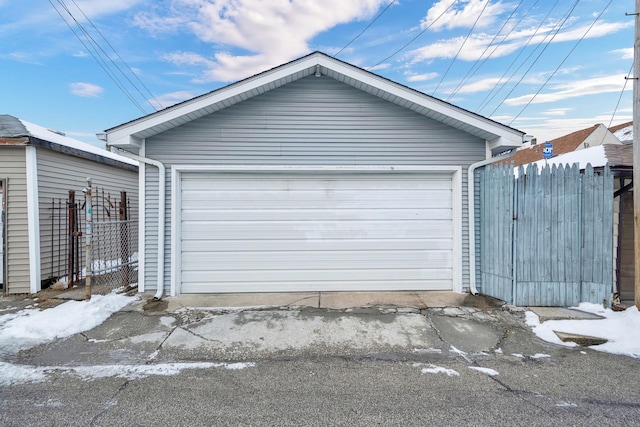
13,127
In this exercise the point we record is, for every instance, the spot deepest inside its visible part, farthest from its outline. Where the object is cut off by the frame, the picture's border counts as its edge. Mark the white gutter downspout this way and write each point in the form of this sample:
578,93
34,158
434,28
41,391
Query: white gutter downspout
162,177
472,215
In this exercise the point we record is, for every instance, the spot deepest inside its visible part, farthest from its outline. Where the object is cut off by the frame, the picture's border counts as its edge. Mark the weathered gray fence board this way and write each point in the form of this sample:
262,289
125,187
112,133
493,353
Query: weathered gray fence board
551,230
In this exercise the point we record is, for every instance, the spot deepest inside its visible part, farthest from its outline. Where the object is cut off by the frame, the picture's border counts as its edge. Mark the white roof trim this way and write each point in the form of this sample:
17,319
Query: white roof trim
128,134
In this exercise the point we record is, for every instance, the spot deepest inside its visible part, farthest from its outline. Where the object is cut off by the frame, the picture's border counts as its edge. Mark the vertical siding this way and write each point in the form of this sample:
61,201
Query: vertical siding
13,169
312,121
57,174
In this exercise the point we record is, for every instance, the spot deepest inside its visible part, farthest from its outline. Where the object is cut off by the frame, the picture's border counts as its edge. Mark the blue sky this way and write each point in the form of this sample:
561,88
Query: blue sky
546,67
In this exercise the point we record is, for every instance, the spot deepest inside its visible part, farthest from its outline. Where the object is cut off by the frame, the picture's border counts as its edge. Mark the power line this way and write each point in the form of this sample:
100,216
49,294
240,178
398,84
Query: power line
461,46
544,48
97,45
477,65
626,80
562,62
101,64
416,37
367,27
159,105
492,93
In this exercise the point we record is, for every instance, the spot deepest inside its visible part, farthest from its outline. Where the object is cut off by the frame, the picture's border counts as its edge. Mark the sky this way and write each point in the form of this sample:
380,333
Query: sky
27,328
545,67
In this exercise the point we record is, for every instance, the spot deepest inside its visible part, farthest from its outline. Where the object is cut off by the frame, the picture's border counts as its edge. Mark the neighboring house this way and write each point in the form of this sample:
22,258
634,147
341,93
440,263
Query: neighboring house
313,176
590,137
37,166
599,146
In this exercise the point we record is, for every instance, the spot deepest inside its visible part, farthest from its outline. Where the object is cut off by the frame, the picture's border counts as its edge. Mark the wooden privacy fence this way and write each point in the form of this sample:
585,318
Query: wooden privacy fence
546,235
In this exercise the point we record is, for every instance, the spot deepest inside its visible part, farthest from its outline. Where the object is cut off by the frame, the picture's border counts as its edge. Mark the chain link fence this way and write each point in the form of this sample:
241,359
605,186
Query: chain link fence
98,227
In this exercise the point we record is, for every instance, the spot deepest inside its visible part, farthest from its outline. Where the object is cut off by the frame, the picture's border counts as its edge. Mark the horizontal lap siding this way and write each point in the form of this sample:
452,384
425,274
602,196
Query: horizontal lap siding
313,121
57,174
13,169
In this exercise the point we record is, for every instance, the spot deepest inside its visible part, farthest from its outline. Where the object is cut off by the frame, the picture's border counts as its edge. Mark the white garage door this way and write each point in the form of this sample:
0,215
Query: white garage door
350,232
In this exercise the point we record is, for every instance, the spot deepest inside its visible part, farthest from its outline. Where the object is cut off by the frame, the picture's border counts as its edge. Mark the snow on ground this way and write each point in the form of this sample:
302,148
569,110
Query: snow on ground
31,327
619,327
11,374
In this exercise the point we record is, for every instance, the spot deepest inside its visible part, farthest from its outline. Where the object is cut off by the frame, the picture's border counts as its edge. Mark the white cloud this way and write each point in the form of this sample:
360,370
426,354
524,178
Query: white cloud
480,85
481,43
576,88
421,77
556,112
463,14
86,89
171,98
626,53
270,32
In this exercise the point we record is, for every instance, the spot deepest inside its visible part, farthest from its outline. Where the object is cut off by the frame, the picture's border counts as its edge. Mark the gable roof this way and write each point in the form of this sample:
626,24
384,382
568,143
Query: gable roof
15,131
129,135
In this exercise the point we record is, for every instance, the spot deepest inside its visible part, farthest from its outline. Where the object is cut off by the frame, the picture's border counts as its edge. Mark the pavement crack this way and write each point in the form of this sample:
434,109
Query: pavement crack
435,329
111,402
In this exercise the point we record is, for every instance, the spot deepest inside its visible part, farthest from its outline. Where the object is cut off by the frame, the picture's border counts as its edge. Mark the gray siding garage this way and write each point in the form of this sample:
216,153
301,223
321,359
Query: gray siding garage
315,175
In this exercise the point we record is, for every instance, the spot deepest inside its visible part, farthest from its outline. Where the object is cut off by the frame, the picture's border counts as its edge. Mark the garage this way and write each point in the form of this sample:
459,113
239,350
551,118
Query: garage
315,175
302,231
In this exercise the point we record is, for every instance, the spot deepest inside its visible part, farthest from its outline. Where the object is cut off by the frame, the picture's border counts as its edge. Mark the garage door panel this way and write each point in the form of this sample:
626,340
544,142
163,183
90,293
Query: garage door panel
327,285
311,200
317,275
263,232
319,229
315,214
194,183
277,260
206,244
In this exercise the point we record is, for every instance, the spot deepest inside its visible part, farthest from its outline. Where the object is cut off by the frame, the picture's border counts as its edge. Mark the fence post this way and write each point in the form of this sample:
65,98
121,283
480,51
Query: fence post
124,237
71,224
88,235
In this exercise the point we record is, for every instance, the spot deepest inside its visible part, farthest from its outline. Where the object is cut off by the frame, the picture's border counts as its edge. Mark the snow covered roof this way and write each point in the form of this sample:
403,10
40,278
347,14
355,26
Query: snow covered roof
13,127
620,156
624,132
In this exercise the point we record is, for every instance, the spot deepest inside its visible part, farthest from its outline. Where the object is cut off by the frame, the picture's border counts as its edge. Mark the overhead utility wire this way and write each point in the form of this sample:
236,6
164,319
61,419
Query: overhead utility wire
101,64
461,46
477,65
626,80
547,42
97,45
497,87
158,104
416,37
562,62
366,28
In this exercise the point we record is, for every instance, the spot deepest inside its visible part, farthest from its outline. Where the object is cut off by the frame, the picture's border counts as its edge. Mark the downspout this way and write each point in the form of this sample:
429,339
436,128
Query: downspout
472,214
161,211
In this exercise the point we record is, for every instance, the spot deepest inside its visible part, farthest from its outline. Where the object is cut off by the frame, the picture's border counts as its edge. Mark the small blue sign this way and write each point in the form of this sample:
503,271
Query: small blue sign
547,151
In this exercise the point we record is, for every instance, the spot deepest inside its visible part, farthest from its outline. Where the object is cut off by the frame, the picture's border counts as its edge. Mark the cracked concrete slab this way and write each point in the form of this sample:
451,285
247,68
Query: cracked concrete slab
468,335
259,334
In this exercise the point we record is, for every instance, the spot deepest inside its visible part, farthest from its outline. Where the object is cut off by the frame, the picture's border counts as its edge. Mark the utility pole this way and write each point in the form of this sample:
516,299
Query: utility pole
636,152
